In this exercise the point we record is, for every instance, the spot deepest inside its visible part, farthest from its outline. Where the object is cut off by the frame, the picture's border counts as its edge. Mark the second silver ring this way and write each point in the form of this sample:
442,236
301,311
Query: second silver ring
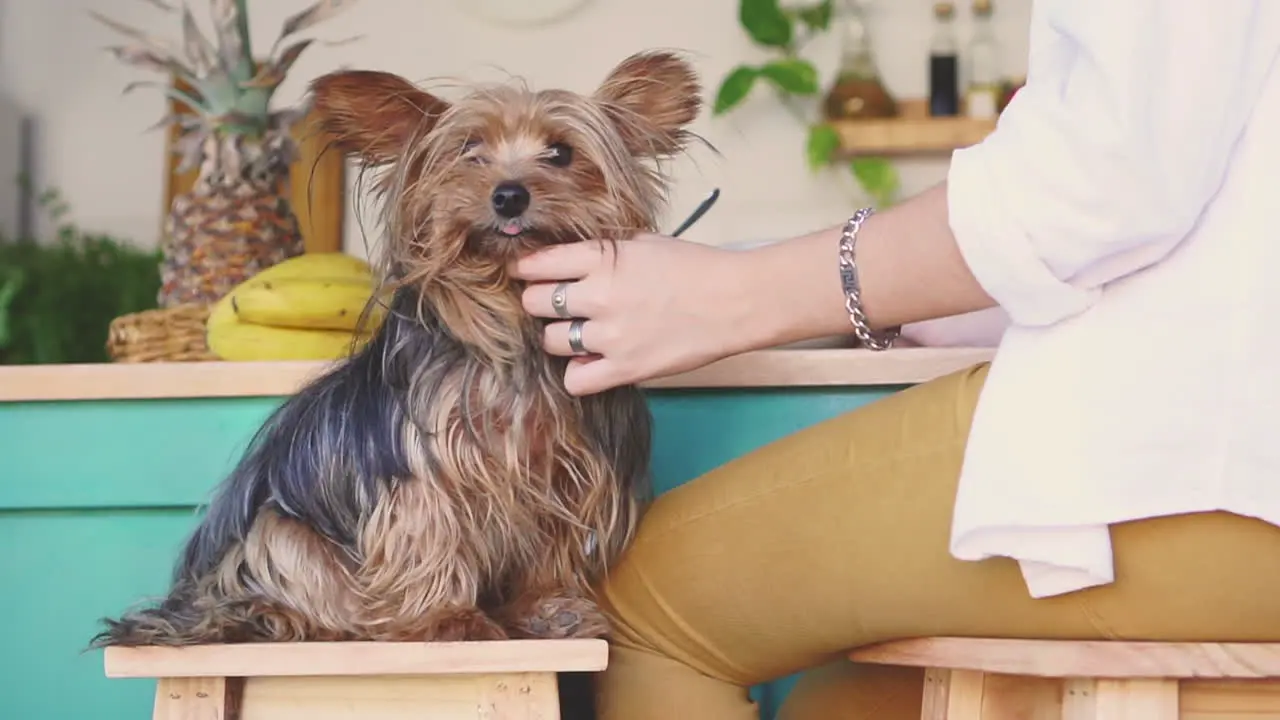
560,300
575,337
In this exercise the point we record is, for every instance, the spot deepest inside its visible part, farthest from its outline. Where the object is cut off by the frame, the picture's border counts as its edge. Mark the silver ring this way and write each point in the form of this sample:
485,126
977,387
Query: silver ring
559,301
575,337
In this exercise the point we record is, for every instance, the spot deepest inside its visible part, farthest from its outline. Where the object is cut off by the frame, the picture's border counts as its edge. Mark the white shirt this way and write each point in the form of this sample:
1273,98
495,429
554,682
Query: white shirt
1125,215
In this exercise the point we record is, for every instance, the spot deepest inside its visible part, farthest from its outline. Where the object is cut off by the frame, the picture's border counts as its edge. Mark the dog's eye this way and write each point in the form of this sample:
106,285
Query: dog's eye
559,155
470,150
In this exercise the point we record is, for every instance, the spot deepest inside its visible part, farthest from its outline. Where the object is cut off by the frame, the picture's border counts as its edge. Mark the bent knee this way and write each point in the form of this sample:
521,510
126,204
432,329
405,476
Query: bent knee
655,607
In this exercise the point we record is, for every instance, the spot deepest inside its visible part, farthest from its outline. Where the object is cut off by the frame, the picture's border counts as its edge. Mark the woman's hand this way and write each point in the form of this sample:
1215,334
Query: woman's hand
652,306
662,306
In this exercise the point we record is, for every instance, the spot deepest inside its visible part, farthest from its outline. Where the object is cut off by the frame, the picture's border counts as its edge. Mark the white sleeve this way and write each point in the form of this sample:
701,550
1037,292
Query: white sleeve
1108,155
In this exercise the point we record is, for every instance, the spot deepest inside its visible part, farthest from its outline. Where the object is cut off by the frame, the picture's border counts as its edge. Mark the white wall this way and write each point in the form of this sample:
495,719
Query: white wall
90,140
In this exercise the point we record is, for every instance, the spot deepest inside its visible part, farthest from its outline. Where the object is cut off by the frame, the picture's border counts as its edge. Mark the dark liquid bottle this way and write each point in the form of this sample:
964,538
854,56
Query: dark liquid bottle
944,64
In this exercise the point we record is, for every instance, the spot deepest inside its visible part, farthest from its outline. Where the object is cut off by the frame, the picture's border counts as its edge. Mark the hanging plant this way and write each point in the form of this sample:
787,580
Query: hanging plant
785,31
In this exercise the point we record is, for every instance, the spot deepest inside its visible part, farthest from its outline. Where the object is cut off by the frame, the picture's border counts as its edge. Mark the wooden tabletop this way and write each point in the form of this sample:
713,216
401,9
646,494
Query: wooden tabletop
766,368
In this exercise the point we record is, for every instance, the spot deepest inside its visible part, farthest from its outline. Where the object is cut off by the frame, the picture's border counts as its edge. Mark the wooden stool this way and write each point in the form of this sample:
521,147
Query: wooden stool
500,680
984,679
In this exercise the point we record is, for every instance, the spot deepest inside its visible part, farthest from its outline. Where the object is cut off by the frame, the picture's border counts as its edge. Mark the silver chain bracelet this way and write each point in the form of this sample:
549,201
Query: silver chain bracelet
853,293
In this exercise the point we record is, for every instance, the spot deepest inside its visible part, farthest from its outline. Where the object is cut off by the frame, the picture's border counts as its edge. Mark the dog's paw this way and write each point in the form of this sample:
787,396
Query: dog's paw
464,624
560,618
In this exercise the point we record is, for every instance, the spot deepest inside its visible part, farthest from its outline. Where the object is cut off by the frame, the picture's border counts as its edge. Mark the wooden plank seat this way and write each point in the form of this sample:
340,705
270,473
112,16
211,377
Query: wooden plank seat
992,679
499,680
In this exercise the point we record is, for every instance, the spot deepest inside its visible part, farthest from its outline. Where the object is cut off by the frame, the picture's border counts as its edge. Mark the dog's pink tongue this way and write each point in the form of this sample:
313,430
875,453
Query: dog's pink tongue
511,228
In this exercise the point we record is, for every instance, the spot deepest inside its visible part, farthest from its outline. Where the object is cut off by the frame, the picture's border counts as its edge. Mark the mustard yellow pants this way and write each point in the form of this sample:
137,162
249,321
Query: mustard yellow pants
784,559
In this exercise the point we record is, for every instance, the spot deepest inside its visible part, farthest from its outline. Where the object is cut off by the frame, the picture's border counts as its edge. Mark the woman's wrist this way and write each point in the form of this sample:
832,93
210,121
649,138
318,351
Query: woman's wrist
908,266
793,289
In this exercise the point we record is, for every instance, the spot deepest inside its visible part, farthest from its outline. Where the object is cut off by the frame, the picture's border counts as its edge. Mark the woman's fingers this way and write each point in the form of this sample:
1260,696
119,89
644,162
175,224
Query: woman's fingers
587,376
563,299
556,338
609,314
591,371
571,261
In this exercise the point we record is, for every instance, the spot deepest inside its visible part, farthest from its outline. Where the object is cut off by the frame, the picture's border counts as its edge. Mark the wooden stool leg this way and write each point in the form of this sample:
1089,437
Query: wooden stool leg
1079,699
1105,699
965,692
505,696
526,696
952,694
974,695
937,691
197,698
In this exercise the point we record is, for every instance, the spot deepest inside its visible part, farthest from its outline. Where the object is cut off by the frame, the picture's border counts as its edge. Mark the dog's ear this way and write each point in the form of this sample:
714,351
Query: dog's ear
651,97
374,115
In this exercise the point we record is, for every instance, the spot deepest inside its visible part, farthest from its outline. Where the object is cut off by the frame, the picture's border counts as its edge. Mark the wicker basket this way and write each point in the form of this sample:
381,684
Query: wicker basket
174,334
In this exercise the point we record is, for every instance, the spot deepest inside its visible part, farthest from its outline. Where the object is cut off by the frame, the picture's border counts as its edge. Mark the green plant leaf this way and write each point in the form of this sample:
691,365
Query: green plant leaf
816,17
878,178
58,296
822,145
765,22
13,278
734,88
242,28
798,77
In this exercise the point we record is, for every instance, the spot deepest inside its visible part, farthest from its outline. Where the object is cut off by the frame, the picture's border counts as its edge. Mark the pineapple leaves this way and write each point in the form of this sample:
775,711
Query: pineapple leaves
143,57
140,83
200,52
158,45
312,16
271,74
242,28
232,38
167,7
186,99
254,104
185,122
164,87
290,56
218,78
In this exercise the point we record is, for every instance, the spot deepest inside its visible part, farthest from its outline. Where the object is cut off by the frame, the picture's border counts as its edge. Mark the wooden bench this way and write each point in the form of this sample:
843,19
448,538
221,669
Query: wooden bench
986,679
500,680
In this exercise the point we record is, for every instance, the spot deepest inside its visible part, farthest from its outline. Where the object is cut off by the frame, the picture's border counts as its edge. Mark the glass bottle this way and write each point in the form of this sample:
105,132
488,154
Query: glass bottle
944,65
857,91
982,92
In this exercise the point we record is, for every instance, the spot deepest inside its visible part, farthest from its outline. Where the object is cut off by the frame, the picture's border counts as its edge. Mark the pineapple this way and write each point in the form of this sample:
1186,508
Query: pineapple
237,219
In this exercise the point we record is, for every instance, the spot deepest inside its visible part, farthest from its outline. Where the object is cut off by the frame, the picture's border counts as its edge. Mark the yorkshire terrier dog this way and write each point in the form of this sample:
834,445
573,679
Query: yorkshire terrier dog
440,483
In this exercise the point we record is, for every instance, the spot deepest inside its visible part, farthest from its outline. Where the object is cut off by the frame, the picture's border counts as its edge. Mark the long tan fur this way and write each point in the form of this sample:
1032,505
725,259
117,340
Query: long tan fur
441,484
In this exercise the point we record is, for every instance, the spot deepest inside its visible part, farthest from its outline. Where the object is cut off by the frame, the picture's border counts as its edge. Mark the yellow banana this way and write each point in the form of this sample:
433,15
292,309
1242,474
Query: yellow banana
318,265
308,290
321,304
221,313
246,342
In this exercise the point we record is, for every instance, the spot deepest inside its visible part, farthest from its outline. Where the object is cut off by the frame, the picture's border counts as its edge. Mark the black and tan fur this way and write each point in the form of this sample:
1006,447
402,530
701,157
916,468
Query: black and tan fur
440,484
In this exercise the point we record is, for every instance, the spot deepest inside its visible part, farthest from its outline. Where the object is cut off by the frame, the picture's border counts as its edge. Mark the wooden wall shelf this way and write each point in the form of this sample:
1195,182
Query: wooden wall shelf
912,132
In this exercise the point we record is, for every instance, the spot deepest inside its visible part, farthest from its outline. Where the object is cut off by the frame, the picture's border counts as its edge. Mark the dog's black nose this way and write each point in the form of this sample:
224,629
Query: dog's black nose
510,199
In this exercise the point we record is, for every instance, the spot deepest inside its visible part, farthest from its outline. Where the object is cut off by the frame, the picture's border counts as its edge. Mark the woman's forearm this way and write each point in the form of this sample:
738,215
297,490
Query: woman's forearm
909,270
1099,168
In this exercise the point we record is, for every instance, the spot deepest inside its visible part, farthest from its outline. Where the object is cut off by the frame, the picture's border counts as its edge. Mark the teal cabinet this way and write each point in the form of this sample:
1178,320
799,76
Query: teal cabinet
97,495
